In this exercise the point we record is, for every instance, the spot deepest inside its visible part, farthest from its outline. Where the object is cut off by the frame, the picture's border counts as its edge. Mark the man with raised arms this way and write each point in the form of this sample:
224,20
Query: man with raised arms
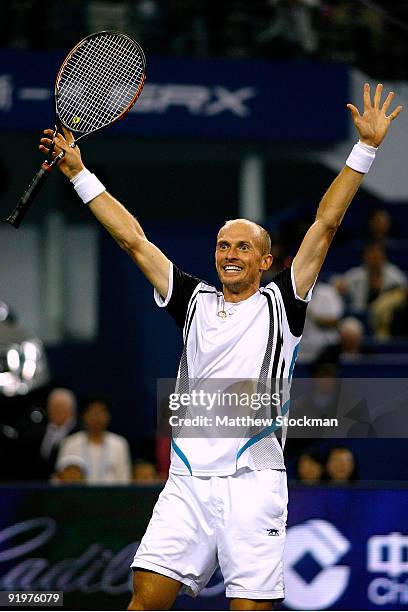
225,497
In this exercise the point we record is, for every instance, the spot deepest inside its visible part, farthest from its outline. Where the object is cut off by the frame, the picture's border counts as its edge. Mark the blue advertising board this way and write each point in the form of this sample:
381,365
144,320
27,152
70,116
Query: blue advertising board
347,548
234,99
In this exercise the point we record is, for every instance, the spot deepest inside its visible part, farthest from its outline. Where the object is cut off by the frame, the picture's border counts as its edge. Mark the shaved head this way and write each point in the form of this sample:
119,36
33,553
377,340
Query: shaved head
263,237
242,255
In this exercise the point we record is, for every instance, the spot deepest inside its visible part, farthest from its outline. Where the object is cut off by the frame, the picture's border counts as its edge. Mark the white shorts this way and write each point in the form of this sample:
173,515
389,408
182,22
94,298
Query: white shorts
238,522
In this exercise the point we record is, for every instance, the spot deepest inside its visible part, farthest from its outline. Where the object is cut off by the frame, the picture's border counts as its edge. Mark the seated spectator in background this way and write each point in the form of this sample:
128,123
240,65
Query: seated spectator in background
61,409
144,472
363,284
341,465
379,226
351,337
319,398
70,469
310,467
389,314
106,455
322,317
351,343
322,394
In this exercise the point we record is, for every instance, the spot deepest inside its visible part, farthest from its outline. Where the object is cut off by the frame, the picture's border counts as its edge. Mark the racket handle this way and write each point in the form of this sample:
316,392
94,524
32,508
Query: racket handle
28,196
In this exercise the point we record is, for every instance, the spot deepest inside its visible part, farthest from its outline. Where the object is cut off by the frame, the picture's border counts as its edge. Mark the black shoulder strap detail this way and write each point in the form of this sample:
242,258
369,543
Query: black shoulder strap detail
263,374
295,309
183,288
279,341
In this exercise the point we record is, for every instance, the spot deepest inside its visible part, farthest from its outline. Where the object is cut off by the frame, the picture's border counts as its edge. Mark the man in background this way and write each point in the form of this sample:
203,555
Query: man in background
61,409
363,284
106,455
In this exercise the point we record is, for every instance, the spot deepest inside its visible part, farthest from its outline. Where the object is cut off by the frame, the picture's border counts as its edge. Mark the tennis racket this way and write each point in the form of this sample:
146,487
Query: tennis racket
98,83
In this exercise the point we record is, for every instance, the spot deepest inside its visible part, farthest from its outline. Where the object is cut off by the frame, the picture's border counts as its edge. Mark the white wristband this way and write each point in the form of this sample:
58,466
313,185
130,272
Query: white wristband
87,186
361,157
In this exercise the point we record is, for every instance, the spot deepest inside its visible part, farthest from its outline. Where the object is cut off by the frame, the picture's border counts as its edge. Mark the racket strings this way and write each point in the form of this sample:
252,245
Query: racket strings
116,99
99,82
101,110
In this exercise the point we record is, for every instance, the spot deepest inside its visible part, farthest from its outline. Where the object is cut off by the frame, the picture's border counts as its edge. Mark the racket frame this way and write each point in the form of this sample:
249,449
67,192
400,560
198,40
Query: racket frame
131,103
17,215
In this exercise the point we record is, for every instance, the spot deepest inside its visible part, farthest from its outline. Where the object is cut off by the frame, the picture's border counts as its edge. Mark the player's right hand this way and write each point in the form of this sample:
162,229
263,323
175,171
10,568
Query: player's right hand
71,164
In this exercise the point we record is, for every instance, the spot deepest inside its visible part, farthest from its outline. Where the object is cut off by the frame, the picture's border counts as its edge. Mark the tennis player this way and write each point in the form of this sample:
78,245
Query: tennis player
225,500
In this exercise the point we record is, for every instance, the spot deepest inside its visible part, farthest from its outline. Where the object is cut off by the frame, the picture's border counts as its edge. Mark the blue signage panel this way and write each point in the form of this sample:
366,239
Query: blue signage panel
347,549
234,99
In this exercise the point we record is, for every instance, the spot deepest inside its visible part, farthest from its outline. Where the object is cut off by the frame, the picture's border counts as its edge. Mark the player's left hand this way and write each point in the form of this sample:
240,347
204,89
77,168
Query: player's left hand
373,124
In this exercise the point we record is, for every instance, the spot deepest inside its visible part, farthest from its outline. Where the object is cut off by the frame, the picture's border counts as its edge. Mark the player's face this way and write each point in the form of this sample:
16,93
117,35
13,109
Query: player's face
238,257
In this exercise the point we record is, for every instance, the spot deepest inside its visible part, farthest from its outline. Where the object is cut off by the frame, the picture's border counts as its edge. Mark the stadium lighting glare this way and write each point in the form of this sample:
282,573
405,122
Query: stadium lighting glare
13,359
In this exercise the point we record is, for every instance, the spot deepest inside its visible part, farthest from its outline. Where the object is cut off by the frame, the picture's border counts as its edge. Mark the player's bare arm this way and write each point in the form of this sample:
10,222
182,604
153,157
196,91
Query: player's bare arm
122,226
372,126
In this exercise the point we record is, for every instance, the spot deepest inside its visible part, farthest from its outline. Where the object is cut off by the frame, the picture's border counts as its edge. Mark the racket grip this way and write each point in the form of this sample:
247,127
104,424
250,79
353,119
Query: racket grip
28,196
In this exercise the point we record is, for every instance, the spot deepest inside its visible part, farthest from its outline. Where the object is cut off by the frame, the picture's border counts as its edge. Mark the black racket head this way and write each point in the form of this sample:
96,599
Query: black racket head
99,81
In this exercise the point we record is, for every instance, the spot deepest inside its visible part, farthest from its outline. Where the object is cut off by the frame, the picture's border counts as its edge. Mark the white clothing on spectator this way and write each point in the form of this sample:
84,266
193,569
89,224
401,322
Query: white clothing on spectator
107,463
357,283
326,303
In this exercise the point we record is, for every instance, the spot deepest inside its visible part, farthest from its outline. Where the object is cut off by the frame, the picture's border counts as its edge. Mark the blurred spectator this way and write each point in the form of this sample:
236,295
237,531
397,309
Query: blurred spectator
321,399
318,398
290,32
322,317
351,343
310,467
61,420
363,284
144,472
341,465
351,336
367,34
106,455
379,226
70,469
389,314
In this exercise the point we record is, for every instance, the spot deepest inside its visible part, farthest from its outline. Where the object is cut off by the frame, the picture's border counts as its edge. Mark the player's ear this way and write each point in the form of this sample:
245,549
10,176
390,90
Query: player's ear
266,262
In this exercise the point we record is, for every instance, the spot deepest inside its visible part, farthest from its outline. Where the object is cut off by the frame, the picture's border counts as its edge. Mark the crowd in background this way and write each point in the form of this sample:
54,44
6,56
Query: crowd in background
73,444
368,301
352,317
350,314
337,466
368,34
68,445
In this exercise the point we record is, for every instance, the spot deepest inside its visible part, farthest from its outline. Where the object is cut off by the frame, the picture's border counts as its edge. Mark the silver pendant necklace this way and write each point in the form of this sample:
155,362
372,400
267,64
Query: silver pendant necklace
222,312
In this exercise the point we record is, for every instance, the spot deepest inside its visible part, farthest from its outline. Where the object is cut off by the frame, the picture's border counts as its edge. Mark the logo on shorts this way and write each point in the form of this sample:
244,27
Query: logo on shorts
273,532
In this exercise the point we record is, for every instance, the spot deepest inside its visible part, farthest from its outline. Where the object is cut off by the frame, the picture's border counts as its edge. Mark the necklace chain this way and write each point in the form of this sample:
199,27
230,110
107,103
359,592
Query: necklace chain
222,312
